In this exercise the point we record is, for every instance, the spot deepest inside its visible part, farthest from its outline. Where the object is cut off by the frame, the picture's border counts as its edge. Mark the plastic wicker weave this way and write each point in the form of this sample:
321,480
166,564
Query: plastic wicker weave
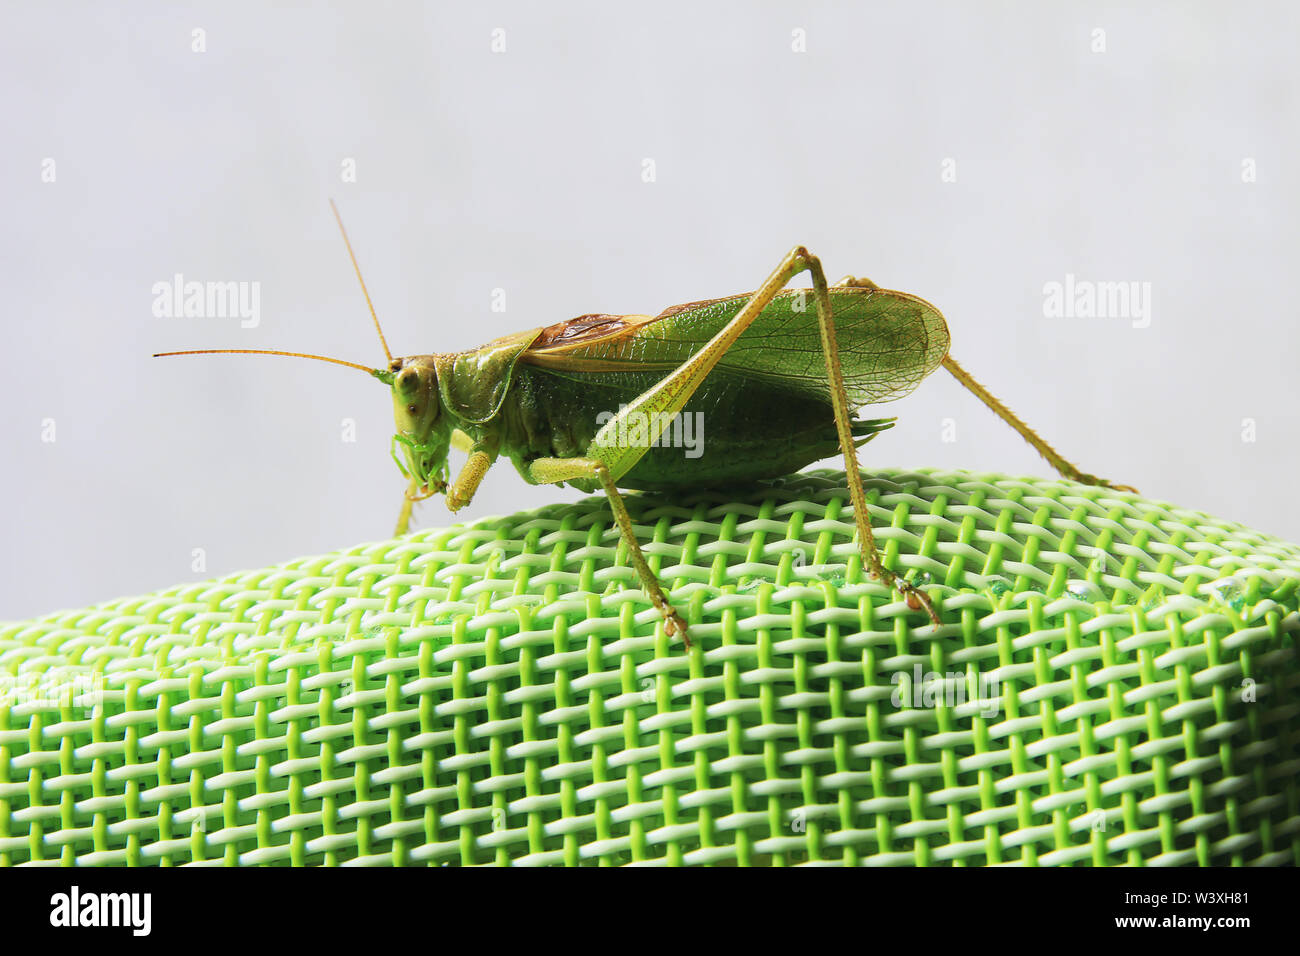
502,693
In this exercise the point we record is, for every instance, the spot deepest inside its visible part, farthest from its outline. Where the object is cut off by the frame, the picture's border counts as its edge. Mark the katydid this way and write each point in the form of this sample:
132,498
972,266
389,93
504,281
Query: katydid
775,380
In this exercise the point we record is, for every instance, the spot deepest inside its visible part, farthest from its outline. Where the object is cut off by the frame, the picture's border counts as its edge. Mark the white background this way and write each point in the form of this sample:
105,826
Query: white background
523,171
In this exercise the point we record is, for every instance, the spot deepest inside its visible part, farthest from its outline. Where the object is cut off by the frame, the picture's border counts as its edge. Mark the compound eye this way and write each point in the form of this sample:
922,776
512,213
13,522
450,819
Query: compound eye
408,381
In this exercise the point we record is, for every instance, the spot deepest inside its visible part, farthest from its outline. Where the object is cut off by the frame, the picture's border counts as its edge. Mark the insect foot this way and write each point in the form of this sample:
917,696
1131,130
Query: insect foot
1103,483
916,598
1114,487
674,625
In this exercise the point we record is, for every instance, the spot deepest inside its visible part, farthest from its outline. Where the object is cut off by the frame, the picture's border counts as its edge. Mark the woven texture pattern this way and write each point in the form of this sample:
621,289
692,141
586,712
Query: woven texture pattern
1115,683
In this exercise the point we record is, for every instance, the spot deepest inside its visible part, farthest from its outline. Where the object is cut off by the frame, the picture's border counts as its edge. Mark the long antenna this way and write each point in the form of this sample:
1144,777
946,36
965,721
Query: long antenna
307,355
356,268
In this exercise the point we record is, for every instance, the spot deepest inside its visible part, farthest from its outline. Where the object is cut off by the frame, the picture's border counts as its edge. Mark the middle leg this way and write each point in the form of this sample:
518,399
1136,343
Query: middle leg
548,471
670,395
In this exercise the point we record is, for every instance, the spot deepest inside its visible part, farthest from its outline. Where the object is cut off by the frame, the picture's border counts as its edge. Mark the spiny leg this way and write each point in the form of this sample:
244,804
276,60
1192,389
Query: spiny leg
550,470
916,598
1065,468
669,396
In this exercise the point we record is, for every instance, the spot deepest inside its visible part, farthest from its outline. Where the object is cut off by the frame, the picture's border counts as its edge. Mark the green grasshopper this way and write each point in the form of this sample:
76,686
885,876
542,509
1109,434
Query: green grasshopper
777,380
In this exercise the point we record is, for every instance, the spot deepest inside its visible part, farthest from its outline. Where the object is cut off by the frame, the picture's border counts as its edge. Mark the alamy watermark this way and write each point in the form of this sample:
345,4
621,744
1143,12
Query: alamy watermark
1086,299
637,429
929,689
179,299
54,689
75,908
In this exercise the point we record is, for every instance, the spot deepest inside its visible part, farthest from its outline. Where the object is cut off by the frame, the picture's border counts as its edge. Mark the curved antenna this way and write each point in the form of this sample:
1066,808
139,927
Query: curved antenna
357,269
377,373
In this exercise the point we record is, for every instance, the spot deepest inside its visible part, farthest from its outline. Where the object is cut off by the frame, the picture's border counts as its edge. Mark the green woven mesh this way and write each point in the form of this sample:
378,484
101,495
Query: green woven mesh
1115,683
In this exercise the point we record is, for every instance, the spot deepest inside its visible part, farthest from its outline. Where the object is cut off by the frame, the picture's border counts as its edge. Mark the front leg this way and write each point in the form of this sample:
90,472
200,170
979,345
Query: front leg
408,504
462,490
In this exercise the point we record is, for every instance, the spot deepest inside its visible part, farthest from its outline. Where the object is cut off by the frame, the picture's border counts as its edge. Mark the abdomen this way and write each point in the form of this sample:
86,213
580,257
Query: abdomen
732,429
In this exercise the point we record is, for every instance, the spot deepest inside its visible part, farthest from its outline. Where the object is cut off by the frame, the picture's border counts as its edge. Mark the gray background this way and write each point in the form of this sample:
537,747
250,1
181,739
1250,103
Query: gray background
523,171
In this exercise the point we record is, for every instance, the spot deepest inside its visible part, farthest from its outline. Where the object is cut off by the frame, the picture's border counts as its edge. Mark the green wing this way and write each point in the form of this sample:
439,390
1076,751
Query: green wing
888,342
